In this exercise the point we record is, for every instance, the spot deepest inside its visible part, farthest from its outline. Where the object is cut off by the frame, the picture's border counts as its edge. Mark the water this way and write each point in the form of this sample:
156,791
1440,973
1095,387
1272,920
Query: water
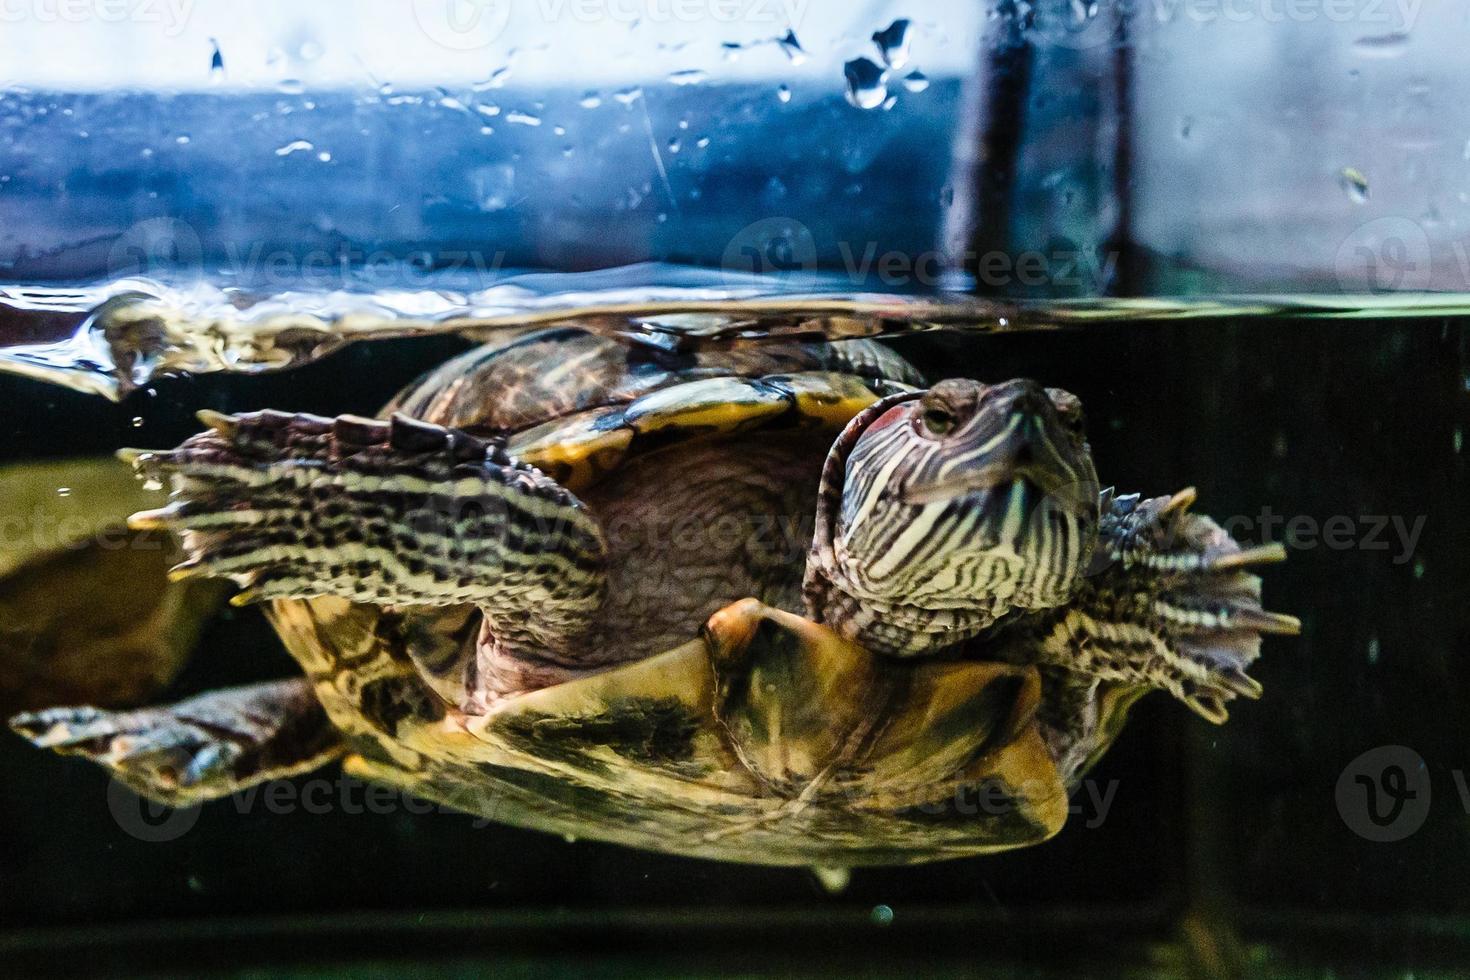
1333,424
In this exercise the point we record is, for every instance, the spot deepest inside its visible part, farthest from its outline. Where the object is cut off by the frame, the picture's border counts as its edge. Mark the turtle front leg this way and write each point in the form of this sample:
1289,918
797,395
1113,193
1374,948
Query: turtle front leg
200,749
396,512
1170,603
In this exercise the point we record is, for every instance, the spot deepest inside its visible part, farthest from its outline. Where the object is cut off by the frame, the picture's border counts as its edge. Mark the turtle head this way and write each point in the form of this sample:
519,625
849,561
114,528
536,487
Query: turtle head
945,510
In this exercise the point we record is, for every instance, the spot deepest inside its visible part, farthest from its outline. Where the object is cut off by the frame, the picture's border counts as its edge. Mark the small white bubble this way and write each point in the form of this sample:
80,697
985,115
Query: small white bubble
63,491
182,139
882,915
137,421
689,76
783,92
590,100
522,118
916,81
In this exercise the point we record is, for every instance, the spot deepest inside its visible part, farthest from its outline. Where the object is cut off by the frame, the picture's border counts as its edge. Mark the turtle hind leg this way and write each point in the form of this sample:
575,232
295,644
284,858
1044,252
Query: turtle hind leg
389,513
199,749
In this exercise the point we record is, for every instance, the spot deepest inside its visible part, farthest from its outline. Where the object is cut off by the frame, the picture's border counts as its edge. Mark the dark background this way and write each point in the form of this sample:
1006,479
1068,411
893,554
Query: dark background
1224,851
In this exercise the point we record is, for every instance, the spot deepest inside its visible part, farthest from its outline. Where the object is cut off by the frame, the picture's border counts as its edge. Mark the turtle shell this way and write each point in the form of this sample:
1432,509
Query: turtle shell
771,742
790,746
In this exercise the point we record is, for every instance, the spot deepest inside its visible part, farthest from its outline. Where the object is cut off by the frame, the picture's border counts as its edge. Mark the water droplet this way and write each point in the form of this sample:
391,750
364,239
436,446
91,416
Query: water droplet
495,79
689,76
324,156
893,43
674,144
791,47
182,139
295,146
1373,650
890,102
453,104
783,92
137,421
916,81
63,491
866,83
290,86
1354,184
1418,568
1381,45
628,96
558,130
590,100
488,109
216,61
519,118
882,915
702,142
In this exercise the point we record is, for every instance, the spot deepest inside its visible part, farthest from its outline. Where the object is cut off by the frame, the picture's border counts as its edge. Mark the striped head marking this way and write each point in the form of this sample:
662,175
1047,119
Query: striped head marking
962,503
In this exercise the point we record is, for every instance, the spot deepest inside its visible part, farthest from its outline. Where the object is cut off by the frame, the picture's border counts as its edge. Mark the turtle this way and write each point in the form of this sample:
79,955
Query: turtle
779,603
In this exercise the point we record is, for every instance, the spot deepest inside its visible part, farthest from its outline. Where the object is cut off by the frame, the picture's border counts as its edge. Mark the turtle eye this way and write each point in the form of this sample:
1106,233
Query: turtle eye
1075,423
939,421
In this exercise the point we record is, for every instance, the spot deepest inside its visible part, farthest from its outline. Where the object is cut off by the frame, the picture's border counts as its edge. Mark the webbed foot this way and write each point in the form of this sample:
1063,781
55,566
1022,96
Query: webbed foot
199,749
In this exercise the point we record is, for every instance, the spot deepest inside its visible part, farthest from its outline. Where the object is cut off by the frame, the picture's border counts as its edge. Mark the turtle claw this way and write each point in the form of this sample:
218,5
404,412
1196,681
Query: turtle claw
225,425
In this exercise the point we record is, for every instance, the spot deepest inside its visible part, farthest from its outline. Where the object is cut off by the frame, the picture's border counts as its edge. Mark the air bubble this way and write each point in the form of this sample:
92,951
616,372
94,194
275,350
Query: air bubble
893,43
783,92
867,86
791,47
